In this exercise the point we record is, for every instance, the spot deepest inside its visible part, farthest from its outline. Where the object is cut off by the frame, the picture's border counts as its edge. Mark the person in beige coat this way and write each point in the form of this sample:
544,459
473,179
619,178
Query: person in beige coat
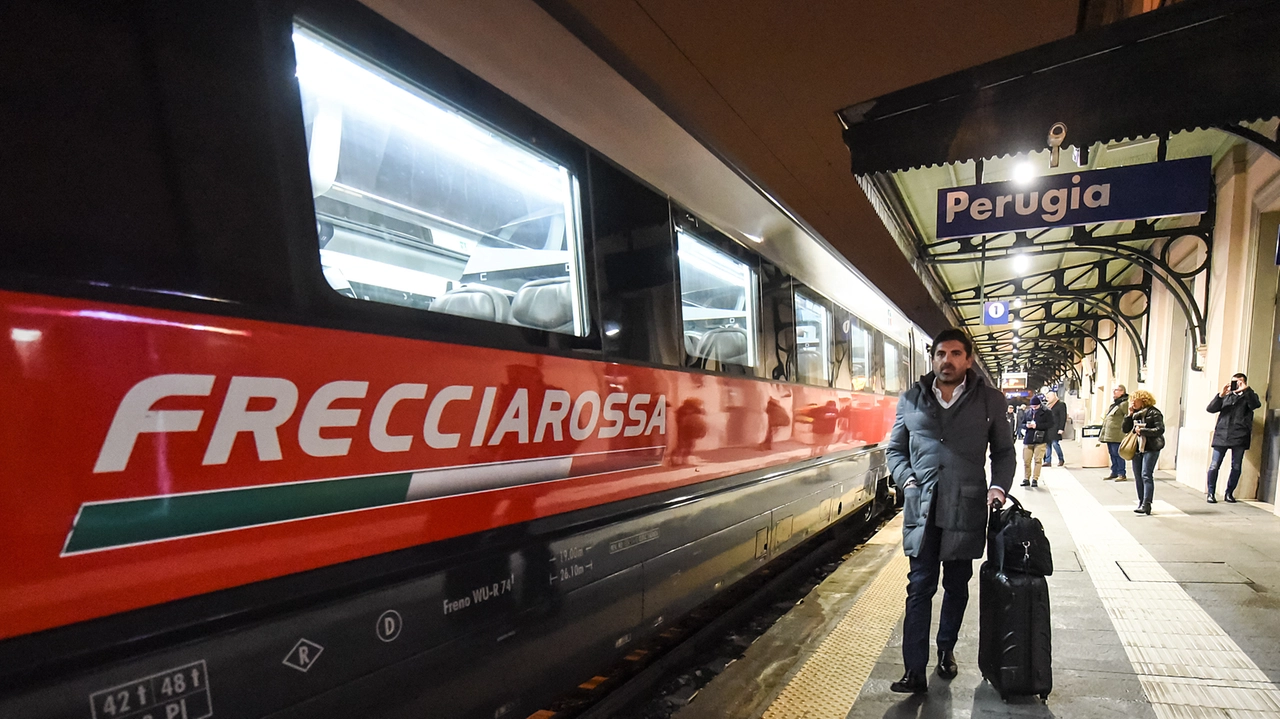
1113,431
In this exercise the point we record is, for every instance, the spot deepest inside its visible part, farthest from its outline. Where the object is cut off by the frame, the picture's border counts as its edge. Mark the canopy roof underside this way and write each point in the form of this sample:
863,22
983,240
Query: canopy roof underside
1192,80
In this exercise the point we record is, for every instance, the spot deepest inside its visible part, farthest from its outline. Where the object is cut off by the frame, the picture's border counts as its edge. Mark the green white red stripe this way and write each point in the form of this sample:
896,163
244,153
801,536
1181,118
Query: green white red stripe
112,524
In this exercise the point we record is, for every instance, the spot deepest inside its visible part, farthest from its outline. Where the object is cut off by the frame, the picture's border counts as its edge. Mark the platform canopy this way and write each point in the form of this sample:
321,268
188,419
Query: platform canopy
1198,79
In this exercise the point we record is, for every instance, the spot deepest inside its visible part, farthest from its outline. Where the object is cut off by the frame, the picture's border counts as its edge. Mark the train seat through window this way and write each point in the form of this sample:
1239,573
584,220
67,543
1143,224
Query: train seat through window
809,366
725,346
475,301
544,304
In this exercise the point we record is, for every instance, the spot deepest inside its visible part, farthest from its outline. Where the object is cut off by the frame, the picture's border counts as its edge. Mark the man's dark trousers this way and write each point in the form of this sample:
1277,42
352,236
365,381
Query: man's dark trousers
922,583
1215,462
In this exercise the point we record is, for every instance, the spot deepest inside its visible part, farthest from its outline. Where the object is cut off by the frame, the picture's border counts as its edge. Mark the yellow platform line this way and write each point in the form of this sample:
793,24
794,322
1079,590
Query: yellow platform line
830,679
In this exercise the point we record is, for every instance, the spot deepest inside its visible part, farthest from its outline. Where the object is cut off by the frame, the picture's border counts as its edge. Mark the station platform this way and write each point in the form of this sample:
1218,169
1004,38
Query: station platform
1174,615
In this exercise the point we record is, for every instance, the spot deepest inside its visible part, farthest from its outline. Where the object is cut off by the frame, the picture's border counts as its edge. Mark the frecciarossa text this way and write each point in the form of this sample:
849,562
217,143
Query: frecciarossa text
449,416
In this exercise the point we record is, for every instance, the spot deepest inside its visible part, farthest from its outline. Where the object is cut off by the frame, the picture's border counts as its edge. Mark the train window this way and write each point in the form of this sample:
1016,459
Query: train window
896,367
813,340
420,205
717,305
860,357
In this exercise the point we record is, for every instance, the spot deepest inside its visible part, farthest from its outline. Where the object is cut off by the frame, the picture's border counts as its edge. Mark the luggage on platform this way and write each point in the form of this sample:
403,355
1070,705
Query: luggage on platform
1015,647
1015,650
1016,541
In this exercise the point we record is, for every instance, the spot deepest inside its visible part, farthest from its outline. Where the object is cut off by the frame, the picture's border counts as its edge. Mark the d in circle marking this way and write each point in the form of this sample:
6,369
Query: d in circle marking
389,625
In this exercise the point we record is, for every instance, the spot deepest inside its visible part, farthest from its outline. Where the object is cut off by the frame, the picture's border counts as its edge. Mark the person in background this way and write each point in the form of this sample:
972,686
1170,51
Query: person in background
1035,441
1113,431
1021,420
1148,421
1059,409
1011,416
1235,405
944,426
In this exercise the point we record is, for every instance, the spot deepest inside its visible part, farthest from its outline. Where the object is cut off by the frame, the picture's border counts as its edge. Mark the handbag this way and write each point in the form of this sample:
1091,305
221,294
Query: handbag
1016,541
1129,445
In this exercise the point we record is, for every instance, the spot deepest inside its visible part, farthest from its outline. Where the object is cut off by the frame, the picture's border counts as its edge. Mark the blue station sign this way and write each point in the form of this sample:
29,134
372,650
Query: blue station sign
995,313
1159,189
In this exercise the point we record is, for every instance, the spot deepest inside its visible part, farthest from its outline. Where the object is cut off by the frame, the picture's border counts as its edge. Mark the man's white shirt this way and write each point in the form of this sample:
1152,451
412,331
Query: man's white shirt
955,393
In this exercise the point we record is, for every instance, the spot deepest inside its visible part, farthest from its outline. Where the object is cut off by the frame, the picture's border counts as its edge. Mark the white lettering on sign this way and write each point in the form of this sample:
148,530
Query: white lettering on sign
135,416
1052,204
431,427
236,417
319,415
378,436
260,406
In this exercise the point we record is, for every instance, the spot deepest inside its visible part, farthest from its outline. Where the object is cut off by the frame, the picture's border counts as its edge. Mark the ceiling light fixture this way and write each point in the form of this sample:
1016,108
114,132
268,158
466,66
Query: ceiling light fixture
1023,173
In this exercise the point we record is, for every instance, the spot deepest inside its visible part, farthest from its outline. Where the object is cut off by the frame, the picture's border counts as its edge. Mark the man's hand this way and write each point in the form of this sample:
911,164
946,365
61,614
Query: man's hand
1226,390
995,498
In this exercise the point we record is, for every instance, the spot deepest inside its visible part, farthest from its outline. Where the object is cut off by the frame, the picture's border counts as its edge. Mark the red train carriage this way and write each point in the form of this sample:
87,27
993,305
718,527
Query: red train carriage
336,380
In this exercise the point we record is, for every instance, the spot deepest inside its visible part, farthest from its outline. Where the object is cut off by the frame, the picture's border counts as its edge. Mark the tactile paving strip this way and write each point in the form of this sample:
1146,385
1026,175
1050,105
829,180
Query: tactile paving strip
1188,666
829,681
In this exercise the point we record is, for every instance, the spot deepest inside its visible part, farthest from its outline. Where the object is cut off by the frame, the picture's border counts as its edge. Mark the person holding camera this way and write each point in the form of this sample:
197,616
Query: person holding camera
1235,405
1148,422
1040,429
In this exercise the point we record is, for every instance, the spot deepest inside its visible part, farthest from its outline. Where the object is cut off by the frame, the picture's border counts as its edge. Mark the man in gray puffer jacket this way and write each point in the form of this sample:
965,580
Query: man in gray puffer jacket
936,452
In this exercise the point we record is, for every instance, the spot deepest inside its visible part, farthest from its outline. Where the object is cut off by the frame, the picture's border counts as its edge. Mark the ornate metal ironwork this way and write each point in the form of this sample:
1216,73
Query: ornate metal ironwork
1098,298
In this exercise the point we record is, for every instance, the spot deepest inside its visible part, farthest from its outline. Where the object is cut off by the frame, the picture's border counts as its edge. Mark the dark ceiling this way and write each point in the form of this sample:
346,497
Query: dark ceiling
759,83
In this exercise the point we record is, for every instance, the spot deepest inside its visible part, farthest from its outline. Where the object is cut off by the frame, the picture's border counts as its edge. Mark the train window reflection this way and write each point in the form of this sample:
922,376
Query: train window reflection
860,357
896,367
420,205
718,306
813,341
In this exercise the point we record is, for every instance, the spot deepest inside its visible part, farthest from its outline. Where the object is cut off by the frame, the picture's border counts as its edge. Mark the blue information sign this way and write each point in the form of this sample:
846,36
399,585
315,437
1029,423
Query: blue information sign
1158,189
995,313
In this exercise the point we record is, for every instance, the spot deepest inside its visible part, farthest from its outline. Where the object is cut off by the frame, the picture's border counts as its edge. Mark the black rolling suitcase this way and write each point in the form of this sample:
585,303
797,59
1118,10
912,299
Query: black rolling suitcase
1015,632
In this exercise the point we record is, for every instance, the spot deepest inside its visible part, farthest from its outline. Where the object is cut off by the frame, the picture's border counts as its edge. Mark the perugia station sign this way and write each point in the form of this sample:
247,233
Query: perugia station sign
1160,189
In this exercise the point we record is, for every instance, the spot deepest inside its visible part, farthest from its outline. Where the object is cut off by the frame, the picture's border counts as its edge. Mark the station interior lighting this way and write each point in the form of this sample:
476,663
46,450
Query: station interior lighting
1021,263
1017,324
1017,302
1023,173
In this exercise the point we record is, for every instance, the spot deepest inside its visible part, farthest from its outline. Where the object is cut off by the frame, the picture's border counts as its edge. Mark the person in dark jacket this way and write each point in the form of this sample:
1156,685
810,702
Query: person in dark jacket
1059,409
1113,431
1149,423
1040,427
1011,416
1021,420
944,425
1234,430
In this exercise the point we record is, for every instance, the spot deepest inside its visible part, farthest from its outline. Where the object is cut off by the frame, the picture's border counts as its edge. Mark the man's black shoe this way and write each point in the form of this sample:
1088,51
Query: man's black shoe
1025,483
1213,500
1230,498
1109,476
910,683
947,664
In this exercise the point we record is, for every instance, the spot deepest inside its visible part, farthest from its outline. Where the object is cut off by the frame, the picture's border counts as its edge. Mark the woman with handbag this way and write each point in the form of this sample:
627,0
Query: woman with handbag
1145,425
1035,440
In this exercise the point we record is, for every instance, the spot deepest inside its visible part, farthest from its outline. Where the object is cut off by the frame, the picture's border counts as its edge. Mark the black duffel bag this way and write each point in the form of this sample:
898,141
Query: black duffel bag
1016,541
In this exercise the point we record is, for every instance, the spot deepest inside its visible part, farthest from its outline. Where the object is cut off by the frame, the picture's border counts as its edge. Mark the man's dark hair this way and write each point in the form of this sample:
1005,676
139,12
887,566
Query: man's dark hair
952,334
1242,376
